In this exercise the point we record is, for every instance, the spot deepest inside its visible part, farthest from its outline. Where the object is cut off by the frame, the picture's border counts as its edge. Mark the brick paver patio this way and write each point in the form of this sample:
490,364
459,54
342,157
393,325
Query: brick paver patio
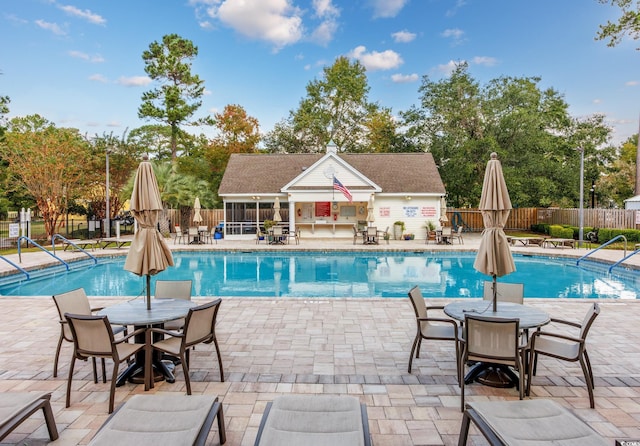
328,346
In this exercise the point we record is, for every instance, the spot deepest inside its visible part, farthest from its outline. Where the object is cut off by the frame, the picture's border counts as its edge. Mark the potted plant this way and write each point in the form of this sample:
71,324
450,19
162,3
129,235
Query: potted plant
268,224
431,230
409,236
398,229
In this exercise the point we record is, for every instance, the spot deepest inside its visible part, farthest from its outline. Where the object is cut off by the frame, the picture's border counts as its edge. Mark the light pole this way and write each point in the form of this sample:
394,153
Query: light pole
107,223
593,194
581,212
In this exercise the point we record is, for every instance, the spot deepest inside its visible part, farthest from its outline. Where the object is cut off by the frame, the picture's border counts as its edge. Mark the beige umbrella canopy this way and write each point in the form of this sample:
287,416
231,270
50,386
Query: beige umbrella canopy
276,211
149,253
197,217
494,256
371,217
443,212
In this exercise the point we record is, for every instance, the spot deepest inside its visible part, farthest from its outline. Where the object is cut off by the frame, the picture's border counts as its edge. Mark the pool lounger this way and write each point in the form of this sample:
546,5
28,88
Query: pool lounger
117,242
149,420
83,244
314,419
539,421
16,407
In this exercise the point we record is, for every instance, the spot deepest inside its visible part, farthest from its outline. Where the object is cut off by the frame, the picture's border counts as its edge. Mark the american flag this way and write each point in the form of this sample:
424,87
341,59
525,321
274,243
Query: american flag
337,185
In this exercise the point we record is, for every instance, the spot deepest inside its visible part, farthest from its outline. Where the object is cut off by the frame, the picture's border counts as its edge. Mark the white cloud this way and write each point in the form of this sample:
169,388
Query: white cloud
328,14
387,8
114,124
453,33
84,14
98,78
403,36
53,27
275,21
324,33
459,4
404,78
207,92
485,60
597,101
631,83
134,81
84,56
375,60
448,68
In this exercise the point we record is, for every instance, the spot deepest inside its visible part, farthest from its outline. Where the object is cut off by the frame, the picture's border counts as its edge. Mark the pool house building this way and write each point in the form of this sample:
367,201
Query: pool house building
325,195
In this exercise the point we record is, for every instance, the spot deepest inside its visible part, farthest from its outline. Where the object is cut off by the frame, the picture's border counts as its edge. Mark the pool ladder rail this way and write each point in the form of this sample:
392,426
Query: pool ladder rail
625,257
28,240
69,242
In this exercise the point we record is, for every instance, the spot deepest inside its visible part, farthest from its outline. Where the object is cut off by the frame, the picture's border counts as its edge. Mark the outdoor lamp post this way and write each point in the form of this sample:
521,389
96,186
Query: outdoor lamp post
107,223
593,194
581,212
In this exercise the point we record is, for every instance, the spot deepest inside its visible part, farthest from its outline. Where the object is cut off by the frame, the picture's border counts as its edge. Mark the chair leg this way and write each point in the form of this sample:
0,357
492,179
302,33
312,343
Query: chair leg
50,420
55,360
71,366
588,381
215,342
112,390
586,359
95,372
185,369
464,429
104,371
413,349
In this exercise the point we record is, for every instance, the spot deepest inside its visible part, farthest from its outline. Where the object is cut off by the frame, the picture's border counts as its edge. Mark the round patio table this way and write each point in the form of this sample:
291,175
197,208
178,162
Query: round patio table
134,312
496,375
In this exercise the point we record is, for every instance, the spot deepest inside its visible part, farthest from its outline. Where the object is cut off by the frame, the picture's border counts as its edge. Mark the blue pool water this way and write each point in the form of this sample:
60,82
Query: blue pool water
338,274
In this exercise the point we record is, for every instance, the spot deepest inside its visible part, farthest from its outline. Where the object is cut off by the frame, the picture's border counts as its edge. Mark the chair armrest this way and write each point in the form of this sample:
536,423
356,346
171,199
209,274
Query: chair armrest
130,335
565,322
167,332
435,307
96,309
437,319
537,334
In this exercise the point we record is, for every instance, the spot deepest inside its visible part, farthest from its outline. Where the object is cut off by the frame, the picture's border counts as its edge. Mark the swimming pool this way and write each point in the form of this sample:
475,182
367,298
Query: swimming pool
339,274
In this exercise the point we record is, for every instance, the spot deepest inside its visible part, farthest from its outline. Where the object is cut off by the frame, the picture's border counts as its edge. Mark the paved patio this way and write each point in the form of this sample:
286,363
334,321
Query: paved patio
327,346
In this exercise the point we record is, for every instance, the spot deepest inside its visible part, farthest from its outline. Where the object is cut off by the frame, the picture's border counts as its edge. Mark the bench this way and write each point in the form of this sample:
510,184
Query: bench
16,407
151,420
538,421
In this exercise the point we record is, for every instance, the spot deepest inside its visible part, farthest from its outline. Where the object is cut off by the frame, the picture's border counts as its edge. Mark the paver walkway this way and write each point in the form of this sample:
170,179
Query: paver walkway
328,346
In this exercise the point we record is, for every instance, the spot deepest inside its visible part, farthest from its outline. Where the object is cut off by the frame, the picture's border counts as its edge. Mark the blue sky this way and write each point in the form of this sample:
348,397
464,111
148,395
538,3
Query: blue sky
79,63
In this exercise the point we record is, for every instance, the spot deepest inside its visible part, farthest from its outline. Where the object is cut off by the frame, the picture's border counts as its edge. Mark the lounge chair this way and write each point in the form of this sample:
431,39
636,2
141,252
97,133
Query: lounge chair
162,419
16,407
116,242
314,420
538,421
81,244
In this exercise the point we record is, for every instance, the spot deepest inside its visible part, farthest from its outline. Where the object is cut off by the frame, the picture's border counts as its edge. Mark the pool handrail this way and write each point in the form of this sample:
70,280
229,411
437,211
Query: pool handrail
634,252
603,245
64,239
19,268
28,240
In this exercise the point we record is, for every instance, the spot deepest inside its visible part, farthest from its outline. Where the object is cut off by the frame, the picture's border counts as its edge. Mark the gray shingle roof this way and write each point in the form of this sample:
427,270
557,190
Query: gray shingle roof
393,172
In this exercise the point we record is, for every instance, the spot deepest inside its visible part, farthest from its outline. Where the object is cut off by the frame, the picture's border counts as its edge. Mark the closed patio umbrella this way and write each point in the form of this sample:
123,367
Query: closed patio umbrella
149,253
197,217
276,211
494,256
371,217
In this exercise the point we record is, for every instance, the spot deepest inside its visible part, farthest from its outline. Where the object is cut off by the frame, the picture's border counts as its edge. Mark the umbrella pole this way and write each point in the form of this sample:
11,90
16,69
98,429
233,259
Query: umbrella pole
495,295
149,292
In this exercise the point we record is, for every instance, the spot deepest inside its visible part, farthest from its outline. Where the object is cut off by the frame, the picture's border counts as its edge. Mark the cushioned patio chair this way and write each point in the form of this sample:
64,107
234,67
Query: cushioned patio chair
162,419
458,235
173,289
16,407
506,292
199,327
492,340
530,422
93,337
75,302
314,420
565,347
180,236
431,328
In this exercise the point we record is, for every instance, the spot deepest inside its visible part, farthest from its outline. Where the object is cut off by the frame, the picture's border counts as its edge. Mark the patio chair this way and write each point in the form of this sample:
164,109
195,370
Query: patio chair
76,302
458,235
295,235
16,407
506,292
356,233
314,420
179,237
565,347
92,337
173,289
199,327
492,340
431,328
261,236
161,419
203,232
194,235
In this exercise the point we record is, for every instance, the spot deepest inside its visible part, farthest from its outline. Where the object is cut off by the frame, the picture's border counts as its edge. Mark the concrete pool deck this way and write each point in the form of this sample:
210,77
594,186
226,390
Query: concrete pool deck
327,346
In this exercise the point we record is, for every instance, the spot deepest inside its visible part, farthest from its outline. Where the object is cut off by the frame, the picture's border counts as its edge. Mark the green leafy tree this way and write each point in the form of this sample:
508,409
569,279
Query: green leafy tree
49,162
627,25
179,94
